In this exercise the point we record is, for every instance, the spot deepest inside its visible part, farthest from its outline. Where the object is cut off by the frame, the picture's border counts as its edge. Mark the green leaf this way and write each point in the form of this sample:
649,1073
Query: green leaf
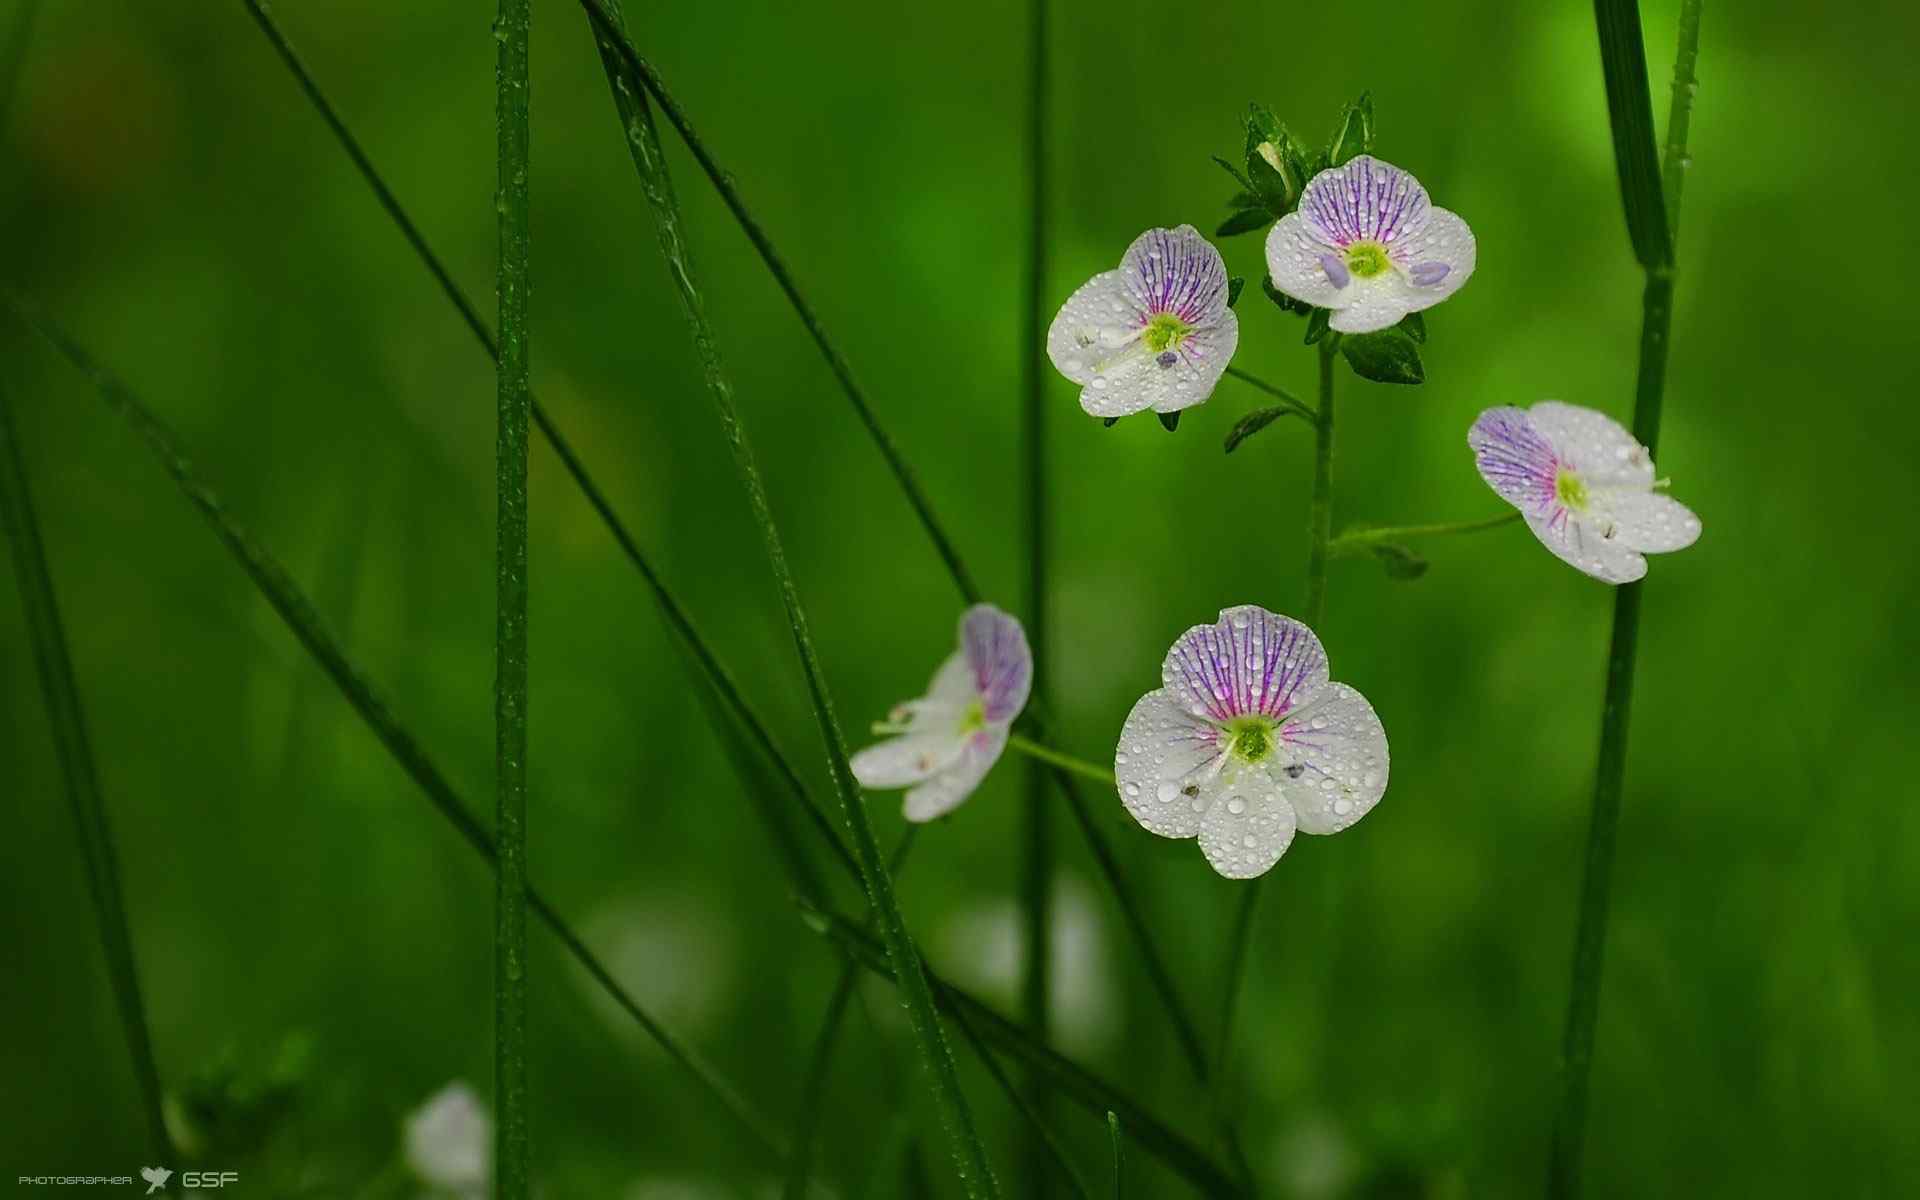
1400,562
1254,422
1245,199
1170,421
1275,162
1236,172
1386,356
1353,136
1245,221
1287,303
1234,287
1317,324
1109,422
1415,327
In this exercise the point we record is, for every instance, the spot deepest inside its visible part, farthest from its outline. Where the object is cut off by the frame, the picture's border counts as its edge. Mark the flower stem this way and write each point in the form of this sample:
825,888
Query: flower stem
1353,541
1320,512
1036,877
1066,762
969,1154
68,719
511,85
1288,399
1624,57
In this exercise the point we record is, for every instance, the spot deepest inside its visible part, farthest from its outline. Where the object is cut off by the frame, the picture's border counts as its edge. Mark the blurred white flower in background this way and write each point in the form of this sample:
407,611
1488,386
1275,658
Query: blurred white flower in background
449,1143
677,959
1312,1159
981,947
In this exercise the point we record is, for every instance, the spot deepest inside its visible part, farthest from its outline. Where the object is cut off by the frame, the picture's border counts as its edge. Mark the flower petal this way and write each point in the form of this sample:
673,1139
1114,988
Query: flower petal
904,761
1577,543
1364,200
1336,766
1514,458
999,661
945,791
1294,263
1162,752
1135,380
1247,829
1373,304
1649,522
1249,661
1592,443
1437,258
1177,271
1094,327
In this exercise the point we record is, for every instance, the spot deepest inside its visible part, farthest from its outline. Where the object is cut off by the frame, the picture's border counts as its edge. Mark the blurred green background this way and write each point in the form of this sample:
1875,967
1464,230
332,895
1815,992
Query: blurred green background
170,197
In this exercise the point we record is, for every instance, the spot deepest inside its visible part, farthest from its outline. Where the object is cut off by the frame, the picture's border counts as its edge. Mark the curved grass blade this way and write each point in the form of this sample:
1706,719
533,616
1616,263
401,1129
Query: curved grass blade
68,720
610,28
969,1154
280,591
676,616
1051,1152
1068,1078
1625,57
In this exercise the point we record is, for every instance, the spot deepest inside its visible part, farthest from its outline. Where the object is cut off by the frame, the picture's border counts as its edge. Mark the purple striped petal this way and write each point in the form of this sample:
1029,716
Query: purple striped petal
996,650
1250,661
1594,444
1515,459
1177,271
1364,200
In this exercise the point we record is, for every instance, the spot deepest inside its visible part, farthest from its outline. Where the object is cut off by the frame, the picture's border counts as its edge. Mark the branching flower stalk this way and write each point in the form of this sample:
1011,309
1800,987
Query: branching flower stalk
1653,213
969,1154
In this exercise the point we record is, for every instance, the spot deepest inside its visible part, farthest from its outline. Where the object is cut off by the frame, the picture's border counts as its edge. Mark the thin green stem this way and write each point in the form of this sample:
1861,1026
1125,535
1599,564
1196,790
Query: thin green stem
511,85
609,30
1292,402
969,1154
1069,1078
1113,1132
68,720
676,616
280,591
1052,757
1320,513
1625,56
1036,877
1052,1154
1353,541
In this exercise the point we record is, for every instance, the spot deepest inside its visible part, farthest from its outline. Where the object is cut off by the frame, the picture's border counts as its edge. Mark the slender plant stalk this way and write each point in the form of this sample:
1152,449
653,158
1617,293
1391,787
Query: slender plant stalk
1294,403
1036,879
676,616
1113,1132
511,84
969,1154
1353,541
814,1084
1053,1155
1629,104
68,719
614,41
1066,762
303,620
1069,1079
1319,539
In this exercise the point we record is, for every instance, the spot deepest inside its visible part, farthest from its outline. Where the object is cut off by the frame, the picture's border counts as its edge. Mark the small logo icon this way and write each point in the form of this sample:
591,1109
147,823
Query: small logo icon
156,1178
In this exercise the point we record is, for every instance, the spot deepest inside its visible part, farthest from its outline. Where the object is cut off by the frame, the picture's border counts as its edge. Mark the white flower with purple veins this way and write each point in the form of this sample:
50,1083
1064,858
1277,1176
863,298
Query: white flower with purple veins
1366,243
951,737
1155,334
1247,740
1585,486
449,1142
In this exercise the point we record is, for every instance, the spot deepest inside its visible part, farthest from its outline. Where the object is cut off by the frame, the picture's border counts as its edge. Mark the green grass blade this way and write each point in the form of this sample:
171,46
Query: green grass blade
68,721
1052,1155
610,32
969,1154
1037,853
676,616
511,85
304,621
1068,1078
1113,1132
813,1084
1623,61
1590,935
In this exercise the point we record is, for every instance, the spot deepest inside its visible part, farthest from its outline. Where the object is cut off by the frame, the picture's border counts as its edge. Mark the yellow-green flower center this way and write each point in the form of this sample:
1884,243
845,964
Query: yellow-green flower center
1251,739
1367,259
1571,490
974,719
1164,332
